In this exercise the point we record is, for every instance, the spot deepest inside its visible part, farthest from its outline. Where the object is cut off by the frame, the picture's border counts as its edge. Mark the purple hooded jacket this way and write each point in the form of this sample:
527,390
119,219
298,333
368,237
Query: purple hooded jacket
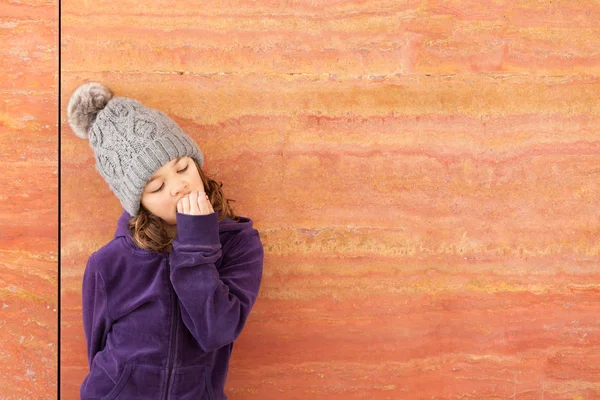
162,325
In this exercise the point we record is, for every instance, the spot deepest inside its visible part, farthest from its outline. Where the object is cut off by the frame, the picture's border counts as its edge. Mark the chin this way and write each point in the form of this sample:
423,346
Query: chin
170,220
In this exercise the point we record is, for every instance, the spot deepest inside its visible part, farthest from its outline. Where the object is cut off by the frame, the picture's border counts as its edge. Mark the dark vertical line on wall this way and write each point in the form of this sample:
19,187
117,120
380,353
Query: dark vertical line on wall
58,311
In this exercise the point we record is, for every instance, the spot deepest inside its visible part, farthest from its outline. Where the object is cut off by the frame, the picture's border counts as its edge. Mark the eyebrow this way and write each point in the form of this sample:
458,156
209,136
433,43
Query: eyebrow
175,163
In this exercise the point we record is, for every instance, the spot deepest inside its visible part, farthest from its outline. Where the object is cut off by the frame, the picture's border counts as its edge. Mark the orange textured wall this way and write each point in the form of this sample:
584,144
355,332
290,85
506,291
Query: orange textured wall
28,199
425,177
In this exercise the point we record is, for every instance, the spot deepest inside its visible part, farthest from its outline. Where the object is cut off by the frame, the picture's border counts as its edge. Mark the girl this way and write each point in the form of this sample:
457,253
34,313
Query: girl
163,301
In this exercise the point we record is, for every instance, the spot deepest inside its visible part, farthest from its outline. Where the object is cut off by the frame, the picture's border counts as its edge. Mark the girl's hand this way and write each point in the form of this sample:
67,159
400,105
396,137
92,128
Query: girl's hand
195,203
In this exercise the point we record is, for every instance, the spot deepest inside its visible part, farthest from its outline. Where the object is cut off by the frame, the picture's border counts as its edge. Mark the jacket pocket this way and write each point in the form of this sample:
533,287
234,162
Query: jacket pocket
192,383
121,382
138,382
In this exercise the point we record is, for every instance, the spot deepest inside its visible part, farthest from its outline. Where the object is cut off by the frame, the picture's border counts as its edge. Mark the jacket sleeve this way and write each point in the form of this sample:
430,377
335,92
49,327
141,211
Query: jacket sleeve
214,303
96,322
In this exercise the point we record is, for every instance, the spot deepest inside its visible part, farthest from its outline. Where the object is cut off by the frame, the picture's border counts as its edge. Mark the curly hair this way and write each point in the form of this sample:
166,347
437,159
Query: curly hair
148,231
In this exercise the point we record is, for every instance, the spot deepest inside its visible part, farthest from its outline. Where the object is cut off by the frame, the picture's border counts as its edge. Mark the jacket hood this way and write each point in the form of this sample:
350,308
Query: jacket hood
226,225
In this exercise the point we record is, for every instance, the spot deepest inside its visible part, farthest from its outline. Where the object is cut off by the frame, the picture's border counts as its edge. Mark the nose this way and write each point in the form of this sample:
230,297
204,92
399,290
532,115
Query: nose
179,186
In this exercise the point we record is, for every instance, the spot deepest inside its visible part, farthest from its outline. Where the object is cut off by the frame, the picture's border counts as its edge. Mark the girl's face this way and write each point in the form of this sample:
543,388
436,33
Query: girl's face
169,183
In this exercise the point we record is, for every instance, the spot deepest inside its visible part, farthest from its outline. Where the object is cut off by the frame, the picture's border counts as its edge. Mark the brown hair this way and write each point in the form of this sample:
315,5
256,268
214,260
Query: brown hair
148,231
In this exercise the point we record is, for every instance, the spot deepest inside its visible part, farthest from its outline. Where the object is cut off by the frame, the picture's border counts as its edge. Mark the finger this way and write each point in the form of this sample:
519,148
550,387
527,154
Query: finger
194,209
186,204
202,203
179,207
210,207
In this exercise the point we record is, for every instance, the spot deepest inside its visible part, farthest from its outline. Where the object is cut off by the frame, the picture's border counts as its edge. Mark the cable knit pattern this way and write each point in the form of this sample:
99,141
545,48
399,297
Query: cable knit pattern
130,142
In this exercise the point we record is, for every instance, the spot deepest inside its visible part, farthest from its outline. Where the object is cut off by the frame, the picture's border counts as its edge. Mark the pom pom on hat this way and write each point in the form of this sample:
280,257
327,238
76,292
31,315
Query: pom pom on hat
85,103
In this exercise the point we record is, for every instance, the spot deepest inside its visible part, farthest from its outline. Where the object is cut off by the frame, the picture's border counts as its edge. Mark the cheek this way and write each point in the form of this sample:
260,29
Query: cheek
158,206
198,182
165,206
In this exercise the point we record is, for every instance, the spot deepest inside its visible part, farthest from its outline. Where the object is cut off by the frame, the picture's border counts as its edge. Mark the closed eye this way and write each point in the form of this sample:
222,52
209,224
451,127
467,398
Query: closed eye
159,189
183,170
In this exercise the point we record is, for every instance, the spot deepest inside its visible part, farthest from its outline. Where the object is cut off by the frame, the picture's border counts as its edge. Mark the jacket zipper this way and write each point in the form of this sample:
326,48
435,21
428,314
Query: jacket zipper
172,349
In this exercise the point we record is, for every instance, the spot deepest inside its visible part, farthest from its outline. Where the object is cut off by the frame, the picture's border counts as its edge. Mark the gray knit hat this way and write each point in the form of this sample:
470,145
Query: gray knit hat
130,141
